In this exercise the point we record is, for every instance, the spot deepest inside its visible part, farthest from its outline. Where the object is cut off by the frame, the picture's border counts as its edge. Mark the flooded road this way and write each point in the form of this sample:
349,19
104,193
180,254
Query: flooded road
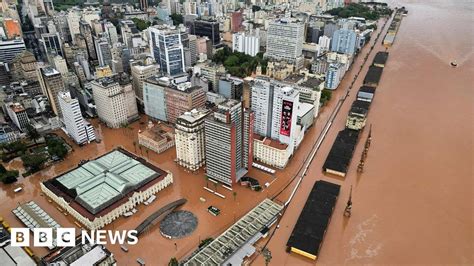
414,202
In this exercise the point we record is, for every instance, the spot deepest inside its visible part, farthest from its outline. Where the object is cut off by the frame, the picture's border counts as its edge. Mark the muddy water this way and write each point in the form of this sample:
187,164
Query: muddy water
414,202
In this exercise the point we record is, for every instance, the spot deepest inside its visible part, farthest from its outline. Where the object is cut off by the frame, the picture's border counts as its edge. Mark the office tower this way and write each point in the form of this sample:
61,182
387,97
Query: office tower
112,102
143,5
24,67
247,93
334,75
236,21
324,42
344,41
48,7
4,75
227,160
275,107
212,72
284,114
18,116
247,44
127,28
73,18
97,27
193,50
313,32
51,84
285,40
262,104
86,31
231,87
111,31
154,97
208,28
182,98
61,23
330,28
60,65
120,58
167,49
51,44
102,48
76,127
139,74
190,139
10,49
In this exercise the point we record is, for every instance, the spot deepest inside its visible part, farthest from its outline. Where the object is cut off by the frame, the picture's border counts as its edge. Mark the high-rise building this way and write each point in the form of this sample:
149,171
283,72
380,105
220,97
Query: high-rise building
51,44
262,104
183,98
325,43
285,40
167,49
10,49
154,97
76,127
73,18
102,48
144,5
140,73
60,65
24,67
86,31
344,41
193,49
112,102
231,87
226,133
208,28
236,21
18,115
190,139
127,28
275,106
111,31
329,29
62,26
51,84
247,44
334,75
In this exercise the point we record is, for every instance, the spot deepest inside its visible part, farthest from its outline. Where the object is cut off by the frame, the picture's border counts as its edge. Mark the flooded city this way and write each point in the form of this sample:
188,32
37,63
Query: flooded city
412,204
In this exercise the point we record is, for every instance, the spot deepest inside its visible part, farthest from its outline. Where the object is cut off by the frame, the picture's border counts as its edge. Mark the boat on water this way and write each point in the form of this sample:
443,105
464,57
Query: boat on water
454,63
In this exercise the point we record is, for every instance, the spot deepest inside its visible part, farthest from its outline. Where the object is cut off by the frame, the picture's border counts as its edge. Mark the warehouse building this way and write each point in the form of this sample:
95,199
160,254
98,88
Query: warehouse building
340,156
307,236
99,191
373,76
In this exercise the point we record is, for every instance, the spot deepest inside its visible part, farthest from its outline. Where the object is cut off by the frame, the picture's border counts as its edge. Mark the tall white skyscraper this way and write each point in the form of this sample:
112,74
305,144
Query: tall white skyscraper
80,131
285,40
275,106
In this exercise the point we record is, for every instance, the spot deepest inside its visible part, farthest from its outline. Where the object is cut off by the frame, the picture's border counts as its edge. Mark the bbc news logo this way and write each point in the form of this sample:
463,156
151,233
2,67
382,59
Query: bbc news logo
66,237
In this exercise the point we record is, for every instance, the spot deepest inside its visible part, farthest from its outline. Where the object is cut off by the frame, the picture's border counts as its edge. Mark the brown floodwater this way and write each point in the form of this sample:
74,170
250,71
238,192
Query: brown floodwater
414,202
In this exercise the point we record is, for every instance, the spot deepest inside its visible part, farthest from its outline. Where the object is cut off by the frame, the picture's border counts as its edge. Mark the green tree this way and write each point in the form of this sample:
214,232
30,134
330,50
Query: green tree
173,262
9,177
141,24
34,161
16,146
177,19
56,147
267,255
32,132
205,242
325,96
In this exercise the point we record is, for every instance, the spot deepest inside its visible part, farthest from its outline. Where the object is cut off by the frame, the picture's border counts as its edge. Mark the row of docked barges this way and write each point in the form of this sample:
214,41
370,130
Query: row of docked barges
341,153
394,26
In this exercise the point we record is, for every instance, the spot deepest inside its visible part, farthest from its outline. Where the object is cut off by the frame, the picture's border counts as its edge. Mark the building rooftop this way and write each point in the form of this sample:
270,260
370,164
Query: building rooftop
381,58
233,239
194,115
159,132
304,108
312,83
94,187
309,231
49,71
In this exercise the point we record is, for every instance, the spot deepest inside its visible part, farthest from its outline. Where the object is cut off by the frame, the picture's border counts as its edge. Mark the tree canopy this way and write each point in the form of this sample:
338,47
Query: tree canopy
34,161
177,19
141,24
360,10
239,64
56,148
